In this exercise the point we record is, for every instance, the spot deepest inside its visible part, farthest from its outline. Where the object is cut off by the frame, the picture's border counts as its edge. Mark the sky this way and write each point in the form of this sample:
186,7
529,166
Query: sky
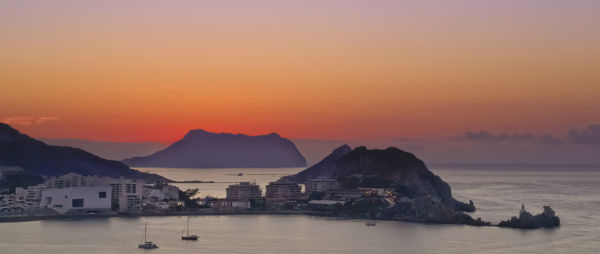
140,71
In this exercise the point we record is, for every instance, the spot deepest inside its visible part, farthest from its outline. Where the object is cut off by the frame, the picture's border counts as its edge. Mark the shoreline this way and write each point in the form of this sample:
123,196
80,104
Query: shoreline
8,219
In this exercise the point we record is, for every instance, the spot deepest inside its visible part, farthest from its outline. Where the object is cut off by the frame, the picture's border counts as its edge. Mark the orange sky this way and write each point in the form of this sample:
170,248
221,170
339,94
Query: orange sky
150,70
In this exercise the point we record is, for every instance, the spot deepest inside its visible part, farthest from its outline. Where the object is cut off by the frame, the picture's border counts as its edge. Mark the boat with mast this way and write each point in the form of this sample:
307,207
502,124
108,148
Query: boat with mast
147,244
186,230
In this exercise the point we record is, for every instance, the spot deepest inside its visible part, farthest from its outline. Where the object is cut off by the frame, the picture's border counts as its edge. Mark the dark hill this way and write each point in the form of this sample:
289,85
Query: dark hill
325,167
38,158
391,168
203,149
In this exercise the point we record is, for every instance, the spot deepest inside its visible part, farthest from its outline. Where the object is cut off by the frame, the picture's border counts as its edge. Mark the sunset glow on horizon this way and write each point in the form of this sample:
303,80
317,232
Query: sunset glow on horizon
152,70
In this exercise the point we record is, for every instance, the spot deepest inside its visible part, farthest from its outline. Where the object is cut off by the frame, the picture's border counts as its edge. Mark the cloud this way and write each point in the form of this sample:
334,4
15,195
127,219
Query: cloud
588,136
43,119
27,120
488,137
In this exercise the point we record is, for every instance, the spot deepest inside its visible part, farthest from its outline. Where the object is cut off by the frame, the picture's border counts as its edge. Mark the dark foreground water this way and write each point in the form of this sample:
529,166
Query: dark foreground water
498,192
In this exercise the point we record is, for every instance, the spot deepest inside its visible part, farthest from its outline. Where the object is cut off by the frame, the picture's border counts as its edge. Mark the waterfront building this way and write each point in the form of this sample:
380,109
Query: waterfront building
244,191
31,195
78,200
320,184
160,197
231,205
126,194
283,191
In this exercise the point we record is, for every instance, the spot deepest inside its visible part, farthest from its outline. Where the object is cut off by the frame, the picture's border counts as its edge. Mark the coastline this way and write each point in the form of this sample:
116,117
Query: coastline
7,219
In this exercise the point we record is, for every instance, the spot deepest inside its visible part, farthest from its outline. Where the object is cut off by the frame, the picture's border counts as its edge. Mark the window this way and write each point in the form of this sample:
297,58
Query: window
78,202
130,188
102,194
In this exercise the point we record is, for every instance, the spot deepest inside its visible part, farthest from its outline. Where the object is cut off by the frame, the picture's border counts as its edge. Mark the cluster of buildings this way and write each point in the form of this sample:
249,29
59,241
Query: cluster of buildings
77,194
246,195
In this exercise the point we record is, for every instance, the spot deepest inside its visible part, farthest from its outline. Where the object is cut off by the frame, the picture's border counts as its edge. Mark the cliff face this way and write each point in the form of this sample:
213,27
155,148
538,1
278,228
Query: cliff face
391,168
202,149
35,157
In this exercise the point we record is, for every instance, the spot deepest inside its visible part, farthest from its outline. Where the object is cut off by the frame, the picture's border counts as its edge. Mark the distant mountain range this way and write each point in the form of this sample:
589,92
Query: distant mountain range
38,158
110,150
203,149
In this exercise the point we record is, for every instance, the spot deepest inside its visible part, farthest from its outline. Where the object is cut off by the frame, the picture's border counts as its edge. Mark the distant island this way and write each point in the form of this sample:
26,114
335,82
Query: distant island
39,159
203,149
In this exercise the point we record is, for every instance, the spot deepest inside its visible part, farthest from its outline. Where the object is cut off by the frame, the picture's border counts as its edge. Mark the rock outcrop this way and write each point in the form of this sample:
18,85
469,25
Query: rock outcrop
420,195
546,219
203,149
389,168
38,158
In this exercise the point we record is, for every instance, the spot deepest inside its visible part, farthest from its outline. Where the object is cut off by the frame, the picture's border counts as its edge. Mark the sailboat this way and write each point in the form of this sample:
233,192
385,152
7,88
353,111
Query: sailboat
187,235
147,244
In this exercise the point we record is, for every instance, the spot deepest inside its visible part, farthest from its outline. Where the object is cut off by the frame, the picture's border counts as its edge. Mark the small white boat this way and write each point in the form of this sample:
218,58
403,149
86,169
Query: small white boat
147,244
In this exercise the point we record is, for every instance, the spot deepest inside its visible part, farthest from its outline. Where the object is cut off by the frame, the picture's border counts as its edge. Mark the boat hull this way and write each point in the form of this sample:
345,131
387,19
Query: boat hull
190,238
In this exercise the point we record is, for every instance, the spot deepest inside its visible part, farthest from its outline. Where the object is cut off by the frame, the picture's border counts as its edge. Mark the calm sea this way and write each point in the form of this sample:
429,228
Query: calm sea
498,192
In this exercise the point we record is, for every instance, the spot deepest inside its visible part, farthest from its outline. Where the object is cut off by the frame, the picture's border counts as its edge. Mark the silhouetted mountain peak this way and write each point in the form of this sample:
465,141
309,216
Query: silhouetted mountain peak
344,149
203,149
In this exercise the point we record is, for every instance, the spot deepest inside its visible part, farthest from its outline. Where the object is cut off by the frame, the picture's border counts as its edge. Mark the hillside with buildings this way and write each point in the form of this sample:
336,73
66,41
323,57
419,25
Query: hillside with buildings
38,158
203,149
415,193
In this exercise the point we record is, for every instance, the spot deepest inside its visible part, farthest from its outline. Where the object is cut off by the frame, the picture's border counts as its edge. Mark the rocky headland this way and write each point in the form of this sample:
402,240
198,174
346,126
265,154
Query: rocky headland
418,194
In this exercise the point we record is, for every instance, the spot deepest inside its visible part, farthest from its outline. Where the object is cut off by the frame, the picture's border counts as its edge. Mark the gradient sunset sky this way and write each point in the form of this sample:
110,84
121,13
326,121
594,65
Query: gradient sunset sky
152,70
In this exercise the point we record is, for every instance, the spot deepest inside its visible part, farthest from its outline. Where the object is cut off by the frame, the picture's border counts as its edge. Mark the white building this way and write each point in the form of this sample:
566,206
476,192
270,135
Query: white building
320,184
31,195
160,196
76,200
244,191
126,195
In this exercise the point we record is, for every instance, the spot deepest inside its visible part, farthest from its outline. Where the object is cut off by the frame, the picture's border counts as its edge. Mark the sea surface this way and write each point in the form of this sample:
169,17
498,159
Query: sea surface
498,192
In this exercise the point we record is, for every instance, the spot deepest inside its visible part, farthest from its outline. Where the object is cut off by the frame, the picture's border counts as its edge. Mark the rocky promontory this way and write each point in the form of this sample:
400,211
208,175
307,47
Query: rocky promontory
418,194
546,219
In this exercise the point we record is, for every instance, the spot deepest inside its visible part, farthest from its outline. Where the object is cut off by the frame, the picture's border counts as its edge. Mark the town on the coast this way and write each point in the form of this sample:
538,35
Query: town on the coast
40,181
74,194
